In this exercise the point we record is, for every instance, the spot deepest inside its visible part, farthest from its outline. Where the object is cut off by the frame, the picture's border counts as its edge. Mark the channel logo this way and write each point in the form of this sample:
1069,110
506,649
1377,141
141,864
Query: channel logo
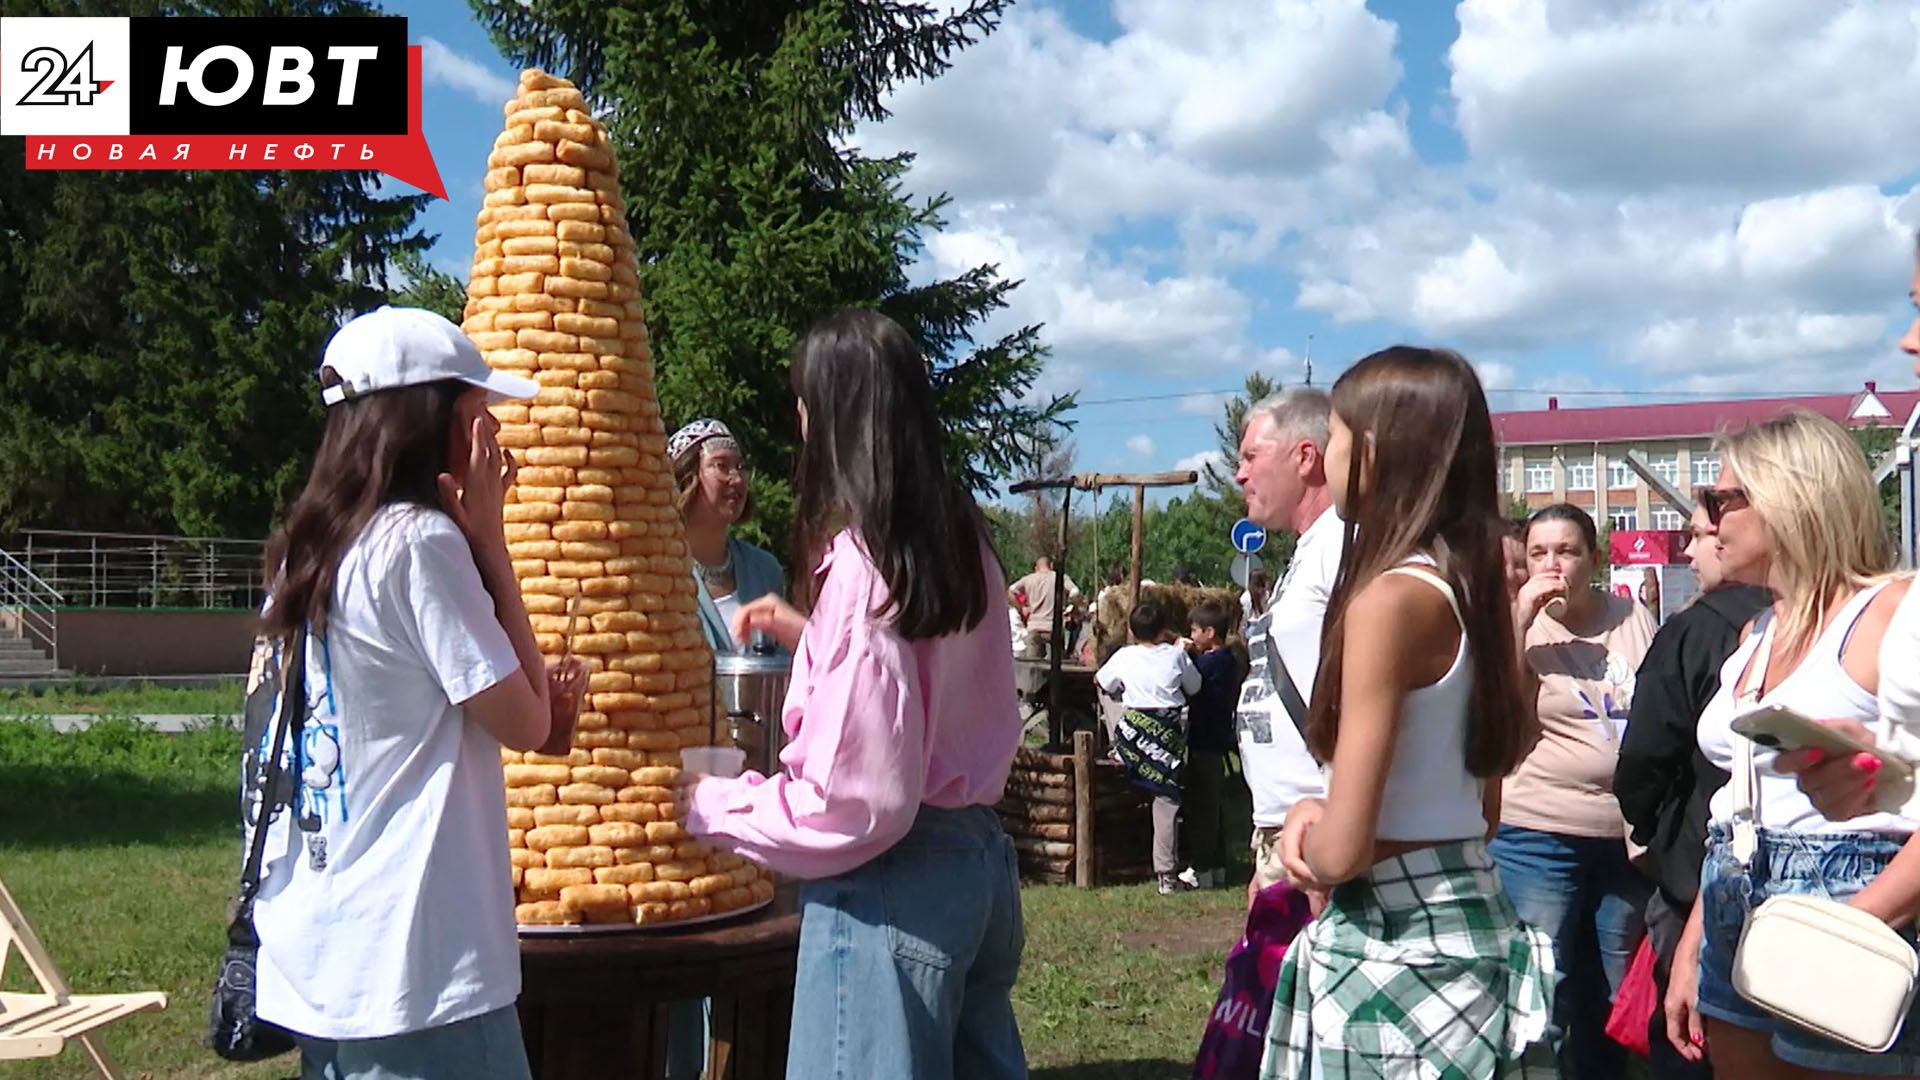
216,93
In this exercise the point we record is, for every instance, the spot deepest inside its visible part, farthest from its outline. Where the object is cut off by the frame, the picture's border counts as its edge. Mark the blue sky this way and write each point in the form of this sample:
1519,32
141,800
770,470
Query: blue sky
1565,190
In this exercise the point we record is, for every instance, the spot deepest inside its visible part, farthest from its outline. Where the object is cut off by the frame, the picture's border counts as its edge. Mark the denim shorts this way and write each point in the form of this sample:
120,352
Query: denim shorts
1830,865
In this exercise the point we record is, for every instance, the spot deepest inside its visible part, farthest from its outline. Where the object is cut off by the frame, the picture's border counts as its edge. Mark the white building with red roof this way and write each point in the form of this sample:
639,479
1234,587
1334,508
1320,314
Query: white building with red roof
1579,455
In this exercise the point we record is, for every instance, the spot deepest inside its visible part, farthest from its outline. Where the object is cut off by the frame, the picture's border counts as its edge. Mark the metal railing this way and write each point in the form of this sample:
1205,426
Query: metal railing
143,570
28,603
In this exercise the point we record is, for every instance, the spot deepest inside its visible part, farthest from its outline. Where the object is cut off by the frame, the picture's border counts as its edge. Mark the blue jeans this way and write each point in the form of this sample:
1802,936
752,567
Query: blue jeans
1830,865
1584,893
907,964
484,1047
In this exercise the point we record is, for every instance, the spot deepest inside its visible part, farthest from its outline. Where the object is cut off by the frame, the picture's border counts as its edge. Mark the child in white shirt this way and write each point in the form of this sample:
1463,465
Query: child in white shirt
1153,678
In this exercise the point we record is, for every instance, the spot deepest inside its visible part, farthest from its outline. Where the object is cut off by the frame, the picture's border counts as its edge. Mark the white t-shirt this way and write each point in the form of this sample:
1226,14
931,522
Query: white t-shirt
1280,771
1150,676
389,909
1898,727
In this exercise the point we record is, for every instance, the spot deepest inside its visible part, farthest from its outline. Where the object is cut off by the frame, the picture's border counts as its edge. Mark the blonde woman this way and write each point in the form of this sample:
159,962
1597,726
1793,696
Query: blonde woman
1797,511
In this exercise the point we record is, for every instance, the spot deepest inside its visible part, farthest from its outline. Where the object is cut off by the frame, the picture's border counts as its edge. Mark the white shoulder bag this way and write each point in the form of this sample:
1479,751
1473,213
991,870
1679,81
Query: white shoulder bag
1831,968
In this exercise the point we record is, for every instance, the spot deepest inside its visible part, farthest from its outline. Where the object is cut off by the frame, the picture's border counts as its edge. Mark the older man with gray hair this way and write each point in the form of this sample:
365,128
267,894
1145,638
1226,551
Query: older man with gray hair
1283,473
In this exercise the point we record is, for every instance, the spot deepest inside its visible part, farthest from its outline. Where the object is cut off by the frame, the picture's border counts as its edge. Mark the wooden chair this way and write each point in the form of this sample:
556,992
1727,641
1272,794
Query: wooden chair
39,1025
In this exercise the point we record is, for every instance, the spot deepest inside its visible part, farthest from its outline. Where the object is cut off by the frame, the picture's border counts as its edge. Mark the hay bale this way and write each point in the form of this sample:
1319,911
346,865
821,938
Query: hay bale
1110,621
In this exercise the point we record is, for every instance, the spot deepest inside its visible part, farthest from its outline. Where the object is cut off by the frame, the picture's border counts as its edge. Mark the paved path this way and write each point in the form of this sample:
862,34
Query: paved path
171,723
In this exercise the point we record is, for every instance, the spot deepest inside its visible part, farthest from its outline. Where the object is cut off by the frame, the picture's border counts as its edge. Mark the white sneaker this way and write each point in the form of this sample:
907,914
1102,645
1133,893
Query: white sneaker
1190,878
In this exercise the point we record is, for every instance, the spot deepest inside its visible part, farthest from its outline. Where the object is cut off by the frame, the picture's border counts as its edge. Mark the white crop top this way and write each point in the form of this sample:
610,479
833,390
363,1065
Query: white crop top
1821,688
1429,793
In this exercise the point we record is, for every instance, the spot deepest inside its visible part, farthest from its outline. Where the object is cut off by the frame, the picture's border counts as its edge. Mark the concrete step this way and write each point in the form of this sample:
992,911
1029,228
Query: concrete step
36,665
10,645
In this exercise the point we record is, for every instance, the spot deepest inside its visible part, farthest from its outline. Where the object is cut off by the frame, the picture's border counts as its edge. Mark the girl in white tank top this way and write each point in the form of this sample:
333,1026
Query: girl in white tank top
1416,964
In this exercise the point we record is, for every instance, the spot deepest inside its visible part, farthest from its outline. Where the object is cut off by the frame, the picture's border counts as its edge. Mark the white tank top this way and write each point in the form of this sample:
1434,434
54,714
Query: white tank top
1821,688
1429,794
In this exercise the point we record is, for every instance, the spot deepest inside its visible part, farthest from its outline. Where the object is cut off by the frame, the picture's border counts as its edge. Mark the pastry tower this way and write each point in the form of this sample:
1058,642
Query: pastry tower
593,530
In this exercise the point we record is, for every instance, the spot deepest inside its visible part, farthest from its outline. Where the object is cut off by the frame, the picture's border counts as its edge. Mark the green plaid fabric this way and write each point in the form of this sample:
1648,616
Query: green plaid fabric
1420,970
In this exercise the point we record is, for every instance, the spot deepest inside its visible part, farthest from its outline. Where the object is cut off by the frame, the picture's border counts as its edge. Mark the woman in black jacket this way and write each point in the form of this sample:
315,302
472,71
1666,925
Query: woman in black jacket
1663,782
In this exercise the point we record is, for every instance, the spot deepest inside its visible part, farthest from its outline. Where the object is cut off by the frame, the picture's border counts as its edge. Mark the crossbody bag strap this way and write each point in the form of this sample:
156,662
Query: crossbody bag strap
293,702
1746,777
1283,685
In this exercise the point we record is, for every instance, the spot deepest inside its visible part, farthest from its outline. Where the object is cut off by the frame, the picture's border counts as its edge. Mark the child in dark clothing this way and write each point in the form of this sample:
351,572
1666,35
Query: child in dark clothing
1210,737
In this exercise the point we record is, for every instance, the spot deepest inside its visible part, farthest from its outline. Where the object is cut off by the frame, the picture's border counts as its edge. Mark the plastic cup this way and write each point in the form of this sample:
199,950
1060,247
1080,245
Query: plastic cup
722,761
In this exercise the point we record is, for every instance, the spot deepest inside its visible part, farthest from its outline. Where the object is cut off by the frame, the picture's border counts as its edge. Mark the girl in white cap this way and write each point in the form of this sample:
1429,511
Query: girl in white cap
385,904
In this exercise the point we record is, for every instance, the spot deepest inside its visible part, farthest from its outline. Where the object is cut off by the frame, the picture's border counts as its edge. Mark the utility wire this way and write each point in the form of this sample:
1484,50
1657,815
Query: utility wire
1704,395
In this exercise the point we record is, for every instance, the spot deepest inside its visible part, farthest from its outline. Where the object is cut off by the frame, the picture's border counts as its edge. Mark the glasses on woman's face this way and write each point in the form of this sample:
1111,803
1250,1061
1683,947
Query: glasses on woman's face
728,470
1718,502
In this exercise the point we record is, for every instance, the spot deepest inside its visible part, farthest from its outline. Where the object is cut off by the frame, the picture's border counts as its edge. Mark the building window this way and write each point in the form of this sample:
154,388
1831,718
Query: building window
1621,475
1665,466
1539,477
1706,468
1668,519
1623,518
1580,476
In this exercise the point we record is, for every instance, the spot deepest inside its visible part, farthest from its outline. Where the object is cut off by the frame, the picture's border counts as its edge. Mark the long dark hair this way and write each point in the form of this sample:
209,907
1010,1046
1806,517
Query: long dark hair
872,462
1421,415
383,447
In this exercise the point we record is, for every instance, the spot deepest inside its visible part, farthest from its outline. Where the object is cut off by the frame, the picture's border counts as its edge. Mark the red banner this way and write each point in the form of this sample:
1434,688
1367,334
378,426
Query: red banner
1651,547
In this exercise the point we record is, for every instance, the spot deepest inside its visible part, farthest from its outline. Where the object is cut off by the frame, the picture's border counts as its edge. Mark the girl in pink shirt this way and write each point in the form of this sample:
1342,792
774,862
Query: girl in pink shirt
901,723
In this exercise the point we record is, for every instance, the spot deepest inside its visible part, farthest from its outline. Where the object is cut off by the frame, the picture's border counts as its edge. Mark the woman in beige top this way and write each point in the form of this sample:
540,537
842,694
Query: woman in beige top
1561,848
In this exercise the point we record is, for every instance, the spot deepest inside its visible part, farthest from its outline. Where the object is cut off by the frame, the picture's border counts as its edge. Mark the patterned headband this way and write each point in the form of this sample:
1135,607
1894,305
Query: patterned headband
688,438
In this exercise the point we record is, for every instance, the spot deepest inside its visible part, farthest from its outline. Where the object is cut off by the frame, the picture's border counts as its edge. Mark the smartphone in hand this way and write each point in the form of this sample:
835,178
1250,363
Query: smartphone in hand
1779,728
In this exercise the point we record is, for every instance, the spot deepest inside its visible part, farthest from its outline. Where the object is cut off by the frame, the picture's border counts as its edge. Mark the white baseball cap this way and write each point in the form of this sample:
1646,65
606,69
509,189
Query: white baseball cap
394,347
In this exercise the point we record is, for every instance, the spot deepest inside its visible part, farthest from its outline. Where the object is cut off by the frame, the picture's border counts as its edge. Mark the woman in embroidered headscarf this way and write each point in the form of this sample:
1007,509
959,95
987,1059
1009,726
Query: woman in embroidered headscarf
711,474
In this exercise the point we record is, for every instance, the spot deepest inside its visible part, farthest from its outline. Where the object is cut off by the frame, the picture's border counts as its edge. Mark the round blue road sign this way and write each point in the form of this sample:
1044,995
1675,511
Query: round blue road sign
1248,537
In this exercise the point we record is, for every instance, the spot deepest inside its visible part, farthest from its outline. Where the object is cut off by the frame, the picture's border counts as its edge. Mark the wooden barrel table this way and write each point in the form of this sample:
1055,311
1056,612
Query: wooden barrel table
598,1005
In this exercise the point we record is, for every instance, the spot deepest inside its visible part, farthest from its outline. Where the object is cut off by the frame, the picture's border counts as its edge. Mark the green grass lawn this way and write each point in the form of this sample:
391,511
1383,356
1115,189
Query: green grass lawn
122,846
124,701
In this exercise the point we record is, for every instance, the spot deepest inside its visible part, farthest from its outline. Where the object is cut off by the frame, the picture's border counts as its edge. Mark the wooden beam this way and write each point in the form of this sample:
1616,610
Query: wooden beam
1096,481
1056,718
1139,521
1083,837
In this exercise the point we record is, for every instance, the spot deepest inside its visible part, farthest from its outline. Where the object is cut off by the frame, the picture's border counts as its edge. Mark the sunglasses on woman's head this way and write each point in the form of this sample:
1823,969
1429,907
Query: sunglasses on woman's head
1719,502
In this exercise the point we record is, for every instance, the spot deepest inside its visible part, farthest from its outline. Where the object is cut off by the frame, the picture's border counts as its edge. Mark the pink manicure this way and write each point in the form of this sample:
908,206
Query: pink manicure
1816,756
1866,763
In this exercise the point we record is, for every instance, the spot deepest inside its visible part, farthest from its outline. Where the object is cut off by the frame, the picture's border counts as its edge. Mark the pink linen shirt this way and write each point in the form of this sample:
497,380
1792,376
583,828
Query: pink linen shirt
876,725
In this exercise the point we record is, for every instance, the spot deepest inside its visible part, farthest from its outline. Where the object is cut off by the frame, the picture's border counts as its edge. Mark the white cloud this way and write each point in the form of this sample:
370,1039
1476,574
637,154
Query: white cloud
1205,462
1201,404
1473,287
1101,312
1688,191
1233,120
1537,268
442,66
1494,375
1141,445
1636,94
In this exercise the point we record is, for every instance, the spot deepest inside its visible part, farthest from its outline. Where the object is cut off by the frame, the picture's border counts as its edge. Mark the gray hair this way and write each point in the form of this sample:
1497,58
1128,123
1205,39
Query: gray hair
1299,412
